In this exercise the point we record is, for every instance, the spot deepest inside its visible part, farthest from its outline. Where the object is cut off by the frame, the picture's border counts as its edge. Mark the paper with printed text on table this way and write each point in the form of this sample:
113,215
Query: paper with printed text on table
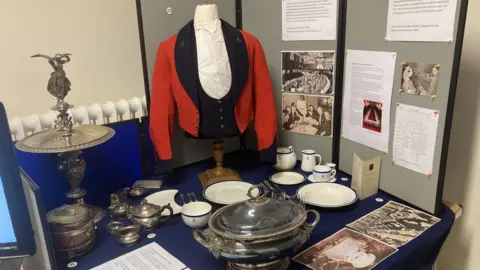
149,257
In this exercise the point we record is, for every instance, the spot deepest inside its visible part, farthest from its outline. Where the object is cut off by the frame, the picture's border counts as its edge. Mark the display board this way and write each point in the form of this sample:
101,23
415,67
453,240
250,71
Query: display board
263,19
159,20
366,30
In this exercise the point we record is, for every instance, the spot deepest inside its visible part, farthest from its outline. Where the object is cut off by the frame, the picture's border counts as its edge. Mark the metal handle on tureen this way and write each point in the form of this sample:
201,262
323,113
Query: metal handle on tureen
262,191
206,238
311,226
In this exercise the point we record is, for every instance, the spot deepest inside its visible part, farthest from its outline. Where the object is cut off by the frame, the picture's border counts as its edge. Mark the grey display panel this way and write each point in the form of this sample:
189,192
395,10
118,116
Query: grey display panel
366,30
263,19
159,25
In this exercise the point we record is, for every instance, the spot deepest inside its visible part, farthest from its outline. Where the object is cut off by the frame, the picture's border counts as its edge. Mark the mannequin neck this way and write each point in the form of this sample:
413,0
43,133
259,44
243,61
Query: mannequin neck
205,14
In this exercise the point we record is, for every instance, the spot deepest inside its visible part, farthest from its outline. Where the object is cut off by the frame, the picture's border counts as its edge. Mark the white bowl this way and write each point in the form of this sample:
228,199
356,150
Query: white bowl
196,214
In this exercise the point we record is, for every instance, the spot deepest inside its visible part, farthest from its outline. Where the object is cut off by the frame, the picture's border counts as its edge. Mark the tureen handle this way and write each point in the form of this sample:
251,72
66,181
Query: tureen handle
262,191
206,237
311,226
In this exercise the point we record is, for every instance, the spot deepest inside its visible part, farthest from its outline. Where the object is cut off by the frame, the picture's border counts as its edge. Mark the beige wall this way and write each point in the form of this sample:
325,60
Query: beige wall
101,35
462,184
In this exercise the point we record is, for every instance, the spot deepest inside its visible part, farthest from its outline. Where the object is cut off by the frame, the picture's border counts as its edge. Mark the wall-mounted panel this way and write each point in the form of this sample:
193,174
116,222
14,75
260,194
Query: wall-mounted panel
263,19
366,30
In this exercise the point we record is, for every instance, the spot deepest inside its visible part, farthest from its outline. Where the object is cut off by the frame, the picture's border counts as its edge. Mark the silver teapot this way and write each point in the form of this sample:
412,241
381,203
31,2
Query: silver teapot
148,216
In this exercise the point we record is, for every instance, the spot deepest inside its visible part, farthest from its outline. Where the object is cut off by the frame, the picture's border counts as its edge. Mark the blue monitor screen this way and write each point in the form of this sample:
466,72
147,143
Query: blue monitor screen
7,235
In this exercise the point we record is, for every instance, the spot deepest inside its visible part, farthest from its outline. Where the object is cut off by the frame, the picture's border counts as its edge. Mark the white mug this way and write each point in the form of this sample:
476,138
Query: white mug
331,165
310,160
323,173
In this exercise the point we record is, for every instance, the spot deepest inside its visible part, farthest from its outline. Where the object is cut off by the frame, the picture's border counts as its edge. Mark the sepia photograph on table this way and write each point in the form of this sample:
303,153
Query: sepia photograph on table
309,72
395,224
346,250
310,115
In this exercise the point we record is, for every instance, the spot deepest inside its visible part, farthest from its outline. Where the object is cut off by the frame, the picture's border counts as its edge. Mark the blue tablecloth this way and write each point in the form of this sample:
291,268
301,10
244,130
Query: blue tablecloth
177,238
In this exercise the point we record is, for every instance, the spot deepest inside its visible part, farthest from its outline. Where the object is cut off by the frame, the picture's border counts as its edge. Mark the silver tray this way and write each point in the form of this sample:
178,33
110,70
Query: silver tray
55,141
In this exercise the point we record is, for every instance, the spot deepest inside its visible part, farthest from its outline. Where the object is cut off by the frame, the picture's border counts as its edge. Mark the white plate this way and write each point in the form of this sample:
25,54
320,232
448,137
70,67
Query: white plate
327,195
287,178
165,197
228,192
330,180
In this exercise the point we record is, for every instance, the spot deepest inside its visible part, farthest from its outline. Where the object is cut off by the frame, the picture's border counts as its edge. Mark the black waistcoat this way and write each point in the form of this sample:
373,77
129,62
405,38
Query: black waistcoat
218,119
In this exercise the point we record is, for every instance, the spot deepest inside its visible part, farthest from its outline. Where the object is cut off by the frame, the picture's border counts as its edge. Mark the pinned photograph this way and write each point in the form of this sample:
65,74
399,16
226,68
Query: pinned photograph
308,72
346,250
310,115
372,115
394,223
420,79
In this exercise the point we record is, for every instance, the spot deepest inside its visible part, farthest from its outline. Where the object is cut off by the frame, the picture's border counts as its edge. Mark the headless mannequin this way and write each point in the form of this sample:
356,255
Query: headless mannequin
215,77
213,63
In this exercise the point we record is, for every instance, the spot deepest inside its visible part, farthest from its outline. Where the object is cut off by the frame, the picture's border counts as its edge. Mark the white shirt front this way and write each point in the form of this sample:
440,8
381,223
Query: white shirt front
213,62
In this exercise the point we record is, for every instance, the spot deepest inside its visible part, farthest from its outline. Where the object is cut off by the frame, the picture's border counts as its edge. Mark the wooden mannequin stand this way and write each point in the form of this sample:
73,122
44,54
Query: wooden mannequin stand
219,173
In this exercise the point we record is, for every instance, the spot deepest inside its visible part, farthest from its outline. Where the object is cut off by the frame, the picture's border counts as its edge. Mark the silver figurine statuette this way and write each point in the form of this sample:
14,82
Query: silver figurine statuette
66,140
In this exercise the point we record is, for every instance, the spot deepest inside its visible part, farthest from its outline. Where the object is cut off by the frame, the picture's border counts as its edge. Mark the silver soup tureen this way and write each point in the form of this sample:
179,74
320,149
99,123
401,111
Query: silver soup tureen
260,233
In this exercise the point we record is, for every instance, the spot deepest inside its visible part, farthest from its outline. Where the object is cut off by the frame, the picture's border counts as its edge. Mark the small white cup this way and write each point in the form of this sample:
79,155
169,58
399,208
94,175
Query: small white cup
196,214
331,165
323,173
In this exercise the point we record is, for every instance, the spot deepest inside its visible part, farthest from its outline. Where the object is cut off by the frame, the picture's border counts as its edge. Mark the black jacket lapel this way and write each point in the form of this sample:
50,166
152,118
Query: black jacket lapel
238,57
186,61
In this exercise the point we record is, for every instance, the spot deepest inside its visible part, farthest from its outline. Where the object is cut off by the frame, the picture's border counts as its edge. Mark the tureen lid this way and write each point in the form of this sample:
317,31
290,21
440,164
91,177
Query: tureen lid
258,218
144,209
69,215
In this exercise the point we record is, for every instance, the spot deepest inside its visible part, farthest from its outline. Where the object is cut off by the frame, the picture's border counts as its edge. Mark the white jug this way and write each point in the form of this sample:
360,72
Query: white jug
310,160
286,158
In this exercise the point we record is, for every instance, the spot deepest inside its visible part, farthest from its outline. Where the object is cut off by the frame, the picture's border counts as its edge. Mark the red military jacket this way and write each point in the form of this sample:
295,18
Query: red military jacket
175,84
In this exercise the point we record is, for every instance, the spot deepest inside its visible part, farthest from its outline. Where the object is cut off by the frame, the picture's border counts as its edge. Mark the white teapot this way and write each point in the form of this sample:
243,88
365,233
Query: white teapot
286,158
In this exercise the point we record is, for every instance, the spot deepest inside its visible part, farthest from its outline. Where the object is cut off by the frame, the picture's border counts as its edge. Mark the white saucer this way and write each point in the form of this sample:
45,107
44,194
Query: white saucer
228,192
287,178
330,180
163,198
327,195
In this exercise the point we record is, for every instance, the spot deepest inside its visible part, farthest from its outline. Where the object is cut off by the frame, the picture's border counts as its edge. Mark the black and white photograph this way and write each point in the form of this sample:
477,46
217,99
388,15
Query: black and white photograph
312,115
309,72
394,223
420,79
346,250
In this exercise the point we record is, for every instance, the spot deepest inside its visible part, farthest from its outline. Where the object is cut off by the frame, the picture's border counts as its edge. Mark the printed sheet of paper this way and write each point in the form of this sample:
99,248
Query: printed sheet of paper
149,257
346,249
394,223
414,138
367,97
421,20
309,19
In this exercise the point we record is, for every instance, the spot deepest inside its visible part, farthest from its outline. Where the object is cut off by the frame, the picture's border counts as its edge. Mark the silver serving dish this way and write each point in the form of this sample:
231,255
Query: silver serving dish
260,233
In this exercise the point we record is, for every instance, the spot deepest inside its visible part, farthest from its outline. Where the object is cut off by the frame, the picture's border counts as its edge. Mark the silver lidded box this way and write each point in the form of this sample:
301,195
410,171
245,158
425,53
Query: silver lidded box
260,233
